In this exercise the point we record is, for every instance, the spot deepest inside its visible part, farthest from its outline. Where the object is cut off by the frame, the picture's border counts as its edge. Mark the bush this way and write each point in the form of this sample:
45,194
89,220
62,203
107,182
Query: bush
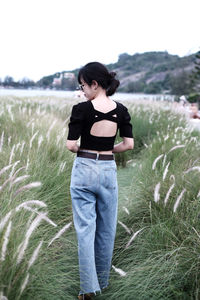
194,98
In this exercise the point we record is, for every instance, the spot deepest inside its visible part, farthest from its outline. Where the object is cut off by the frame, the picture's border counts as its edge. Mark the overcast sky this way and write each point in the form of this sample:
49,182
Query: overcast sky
42,37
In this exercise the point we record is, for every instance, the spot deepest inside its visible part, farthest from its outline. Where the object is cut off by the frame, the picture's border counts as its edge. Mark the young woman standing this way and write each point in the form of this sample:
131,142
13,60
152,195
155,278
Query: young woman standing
94,190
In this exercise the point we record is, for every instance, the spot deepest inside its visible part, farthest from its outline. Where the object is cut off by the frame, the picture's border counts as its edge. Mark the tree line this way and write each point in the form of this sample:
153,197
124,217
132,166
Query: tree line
176,79
23,83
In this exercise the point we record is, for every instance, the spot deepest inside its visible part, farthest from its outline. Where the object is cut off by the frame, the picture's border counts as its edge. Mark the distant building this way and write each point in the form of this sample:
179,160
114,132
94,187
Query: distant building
57,81
69,75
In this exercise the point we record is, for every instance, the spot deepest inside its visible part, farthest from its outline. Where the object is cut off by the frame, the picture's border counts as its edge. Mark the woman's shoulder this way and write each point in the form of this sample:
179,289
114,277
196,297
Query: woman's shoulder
121,106
81,106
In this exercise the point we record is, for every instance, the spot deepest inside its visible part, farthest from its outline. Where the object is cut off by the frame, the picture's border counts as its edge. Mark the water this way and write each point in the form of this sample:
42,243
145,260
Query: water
71,94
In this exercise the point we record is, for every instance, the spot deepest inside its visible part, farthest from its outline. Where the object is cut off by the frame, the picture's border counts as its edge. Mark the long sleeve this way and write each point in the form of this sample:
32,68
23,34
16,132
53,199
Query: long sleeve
125,128
76,122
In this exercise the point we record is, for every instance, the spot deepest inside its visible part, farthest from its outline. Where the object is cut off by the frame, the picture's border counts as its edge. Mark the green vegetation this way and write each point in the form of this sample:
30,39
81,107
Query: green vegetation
155,72
194,96
158,235
149,72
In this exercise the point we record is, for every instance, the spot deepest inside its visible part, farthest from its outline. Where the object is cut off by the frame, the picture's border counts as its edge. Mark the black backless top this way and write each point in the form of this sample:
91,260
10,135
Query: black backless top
84,115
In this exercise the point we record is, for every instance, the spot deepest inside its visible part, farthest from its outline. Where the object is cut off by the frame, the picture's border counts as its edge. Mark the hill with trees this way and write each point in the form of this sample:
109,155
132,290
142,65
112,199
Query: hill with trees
155,72
149,72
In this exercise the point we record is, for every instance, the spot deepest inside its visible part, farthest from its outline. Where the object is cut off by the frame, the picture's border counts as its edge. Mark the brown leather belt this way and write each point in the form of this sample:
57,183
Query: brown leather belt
95,155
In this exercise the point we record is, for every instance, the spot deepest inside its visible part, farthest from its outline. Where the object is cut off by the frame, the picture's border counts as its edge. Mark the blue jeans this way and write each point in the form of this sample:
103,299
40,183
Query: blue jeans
94,194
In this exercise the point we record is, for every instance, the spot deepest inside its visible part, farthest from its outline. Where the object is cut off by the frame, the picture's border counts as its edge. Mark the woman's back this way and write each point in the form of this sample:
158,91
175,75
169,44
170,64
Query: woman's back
104,128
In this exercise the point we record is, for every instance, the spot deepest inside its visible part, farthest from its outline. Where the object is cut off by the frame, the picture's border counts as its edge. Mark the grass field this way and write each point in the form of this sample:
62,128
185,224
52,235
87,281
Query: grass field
157,249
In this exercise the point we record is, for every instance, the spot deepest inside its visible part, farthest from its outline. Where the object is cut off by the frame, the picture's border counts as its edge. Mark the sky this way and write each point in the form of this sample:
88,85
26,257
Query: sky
42,37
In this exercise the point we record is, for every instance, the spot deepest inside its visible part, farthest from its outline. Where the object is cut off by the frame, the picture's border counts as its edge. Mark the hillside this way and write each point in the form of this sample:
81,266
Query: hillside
154,72
150,72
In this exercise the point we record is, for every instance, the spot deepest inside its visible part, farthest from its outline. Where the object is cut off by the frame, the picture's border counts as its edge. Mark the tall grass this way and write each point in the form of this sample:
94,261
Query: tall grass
158,237
28,229
162,262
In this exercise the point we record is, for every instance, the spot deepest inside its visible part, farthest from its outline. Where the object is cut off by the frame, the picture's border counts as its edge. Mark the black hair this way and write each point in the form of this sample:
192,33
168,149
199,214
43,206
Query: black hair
98,72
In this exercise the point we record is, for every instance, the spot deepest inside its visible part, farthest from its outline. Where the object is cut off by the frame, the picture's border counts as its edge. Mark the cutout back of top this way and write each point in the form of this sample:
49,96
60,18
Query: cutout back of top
105,124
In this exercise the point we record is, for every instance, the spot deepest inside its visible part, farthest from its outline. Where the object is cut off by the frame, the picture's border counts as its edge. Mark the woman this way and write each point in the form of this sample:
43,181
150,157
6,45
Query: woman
93,187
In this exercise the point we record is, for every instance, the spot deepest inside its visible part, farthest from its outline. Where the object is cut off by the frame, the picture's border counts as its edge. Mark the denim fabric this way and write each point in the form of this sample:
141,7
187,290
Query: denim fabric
94,194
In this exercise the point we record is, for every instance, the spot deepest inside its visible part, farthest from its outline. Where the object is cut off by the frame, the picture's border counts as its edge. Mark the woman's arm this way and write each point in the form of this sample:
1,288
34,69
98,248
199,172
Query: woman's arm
72,146
126,144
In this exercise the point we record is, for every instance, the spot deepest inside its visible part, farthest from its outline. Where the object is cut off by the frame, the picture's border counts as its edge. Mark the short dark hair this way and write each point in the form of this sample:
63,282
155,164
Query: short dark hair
98,72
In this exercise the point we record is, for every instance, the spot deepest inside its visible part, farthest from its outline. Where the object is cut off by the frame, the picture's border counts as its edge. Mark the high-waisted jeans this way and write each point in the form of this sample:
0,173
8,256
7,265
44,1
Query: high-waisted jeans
94,194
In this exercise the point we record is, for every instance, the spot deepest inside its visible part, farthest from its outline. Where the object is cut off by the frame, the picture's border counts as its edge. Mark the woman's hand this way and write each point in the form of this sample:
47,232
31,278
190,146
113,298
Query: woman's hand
126,144
72,146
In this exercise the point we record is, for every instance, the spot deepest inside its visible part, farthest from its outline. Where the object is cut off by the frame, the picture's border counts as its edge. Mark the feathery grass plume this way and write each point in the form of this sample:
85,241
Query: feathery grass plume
23,286
44,215
64,130
126,210
30,219
5,169
10,112
13,168
11,154
156,192
6,182
34,255
5,220
38,110
129,161
30,202
176,147
28,187
40,140
164,160
168,193
32,126
156,160
17,146
58,138
19,179
32,139
5,241
133,237
166,171
1,141
193,139
178,200
23,110
125,227
50,128
60,233
192,169
27,163
9,140
2,297
22,168
178,128
66,120
119,271
61,168
22,148
166,137
24,244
